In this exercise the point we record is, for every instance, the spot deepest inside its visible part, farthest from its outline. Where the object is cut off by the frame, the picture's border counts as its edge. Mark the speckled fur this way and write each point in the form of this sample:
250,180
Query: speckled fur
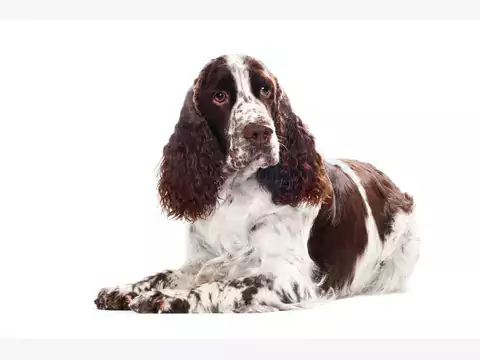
248,109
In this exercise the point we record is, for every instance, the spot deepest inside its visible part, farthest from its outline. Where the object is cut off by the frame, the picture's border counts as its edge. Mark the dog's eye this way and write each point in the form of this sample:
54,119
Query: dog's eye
220,97
265,91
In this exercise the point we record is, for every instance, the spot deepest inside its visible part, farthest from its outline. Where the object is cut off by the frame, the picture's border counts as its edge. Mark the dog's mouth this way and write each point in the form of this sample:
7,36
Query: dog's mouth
262,159
270,159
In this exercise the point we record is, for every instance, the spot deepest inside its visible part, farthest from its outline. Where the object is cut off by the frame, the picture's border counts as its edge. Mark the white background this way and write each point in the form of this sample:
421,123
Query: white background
86,108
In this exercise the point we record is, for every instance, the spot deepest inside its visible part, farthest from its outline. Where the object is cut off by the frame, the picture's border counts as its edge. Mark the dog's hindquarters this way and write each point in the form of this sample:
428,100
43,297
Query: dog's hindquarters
364,239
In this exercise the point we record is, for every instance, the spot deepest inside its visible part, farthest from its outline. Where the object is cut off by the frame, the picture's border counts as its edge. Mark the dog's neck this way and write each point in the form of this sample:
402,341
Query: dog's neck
237,178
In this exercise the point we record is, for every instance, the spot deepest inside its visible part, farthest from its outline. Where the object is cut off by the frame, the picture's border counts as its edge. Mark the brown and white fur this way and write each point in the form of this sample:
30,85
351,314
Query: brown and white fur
272,225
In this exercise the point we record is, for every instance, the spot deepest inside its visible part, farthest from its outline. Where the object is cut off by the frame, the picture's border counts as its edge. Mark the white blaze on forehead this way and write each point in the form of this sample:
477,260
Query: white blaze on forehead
239,69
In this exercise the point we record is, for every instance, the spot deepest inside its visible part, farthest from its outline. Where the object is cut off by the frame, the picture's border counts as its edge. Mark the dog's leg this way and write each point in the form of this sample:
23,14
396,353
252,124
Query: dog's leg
248,294
119,297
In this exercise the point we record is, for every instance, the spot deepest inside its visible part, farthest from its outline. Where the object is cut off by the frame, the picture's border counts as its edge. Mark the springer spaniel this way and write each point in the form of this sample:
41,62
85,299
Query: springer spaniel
272,225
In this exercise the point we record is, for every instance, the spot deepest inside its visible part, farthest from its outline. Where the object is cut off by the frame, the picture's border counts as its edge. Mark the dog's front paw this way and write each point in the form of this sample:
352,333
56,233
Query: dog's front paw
155,301
147,302
115,298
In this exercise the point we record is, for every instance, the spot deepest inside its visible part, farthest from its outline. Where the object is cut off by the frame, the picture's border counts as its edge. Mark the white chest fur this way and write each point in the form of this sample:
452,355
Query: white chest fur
247,221
227,229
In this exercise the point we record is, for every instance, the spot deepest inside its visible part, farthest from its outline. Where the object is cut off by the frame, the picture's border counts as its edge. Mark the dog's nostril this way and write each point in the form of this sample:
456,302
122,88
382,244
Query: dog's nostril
257,133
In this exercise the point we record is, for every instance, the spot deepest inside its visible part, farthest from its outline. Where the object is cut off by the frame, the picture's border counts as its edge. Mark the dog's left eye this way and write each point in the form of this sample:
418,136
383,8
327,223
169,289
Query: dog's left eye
265,91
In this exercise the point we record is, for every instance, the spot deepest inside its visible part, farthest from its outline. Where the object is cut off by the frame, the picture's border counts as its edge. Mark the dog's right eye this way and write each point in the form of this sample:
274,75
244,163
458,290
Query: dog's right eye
220,97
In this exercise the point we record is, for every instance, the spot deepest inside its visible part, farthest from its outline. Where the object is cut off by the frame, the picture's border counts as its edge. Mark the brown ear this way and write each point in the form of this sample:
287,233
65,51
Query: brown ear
300,175
191,168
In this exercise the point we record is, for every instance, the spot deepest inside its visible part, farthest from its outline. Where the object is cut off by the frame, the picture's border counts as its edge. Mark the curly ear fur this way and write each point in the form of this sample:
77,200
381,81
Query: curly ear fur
191,168
300,176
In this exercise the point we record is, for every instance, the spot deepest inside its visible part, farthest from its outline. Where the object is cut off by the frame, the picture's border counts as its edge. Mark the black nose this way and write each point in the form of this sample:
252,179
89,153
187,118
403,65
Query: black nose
257,134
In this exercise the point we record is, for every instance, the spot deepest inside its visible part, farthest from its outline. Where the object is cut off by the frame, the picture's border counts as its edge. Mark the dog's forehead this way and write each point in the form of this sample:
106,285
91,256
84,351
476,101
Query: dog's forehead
244,62
236,62
238,66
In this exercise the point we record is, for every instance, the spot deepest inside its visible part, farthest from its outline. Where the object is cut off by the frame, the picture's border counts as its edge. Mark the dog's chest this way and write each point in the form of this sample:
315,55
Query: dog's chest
227,229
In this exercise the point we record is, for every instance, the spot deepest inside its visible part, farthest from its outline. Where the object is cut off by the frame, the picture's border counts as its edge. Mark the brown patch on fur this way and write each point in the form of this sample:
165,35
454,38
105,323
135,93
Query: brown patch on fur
300,176
260,76
191,169
214,77
384,197
339,235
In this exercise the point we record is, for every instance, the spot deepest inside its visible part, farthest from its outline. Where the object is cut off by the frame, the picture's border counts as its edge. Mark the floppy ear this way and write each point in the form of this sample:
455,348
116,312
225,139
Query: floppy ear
300,175
191,167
